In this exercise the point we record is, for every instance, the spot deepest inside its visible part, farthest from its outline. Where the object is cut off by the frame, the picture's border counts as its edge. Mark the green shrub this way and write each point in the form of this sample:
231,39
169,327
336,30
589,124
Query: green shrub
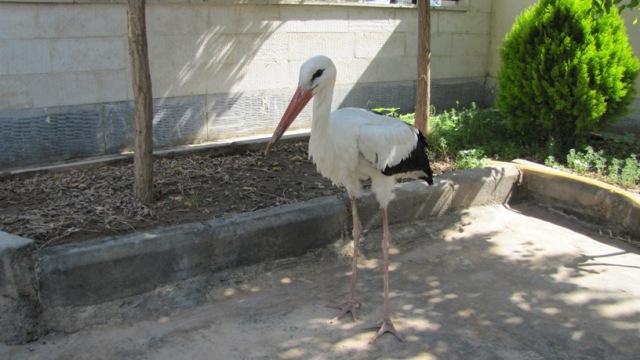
485,129
565,71
468,137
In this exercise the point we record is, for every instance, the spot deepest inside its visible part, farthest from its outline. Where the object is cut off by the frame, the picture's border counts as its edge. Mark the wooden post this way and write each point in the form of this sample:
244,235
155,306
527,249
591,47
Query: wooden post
143,100
423,92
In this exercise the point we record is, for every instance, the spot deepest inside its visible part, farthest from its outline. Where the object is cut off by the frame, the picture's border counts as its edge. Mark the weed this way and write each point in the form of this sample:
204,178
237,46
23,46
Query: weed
580,162
600,163
468,137
614,169
624,172
469,159
630,174
551,162
393,112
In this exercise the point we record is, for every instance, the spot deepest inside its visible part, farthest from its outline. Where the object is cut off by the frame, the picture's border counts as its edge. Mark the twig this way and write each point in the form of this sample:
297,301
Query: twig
265,170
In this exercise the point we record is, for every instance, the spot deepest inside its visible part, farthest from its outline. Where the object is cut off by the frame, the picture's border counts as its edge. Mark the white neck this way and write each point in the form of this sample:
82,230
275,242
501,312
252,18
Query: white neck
322,111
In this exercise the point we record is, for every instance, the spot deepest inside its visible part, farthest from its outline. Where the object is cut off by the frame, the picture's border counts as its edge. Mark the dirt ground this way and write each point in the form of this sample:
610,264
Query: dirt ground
55,208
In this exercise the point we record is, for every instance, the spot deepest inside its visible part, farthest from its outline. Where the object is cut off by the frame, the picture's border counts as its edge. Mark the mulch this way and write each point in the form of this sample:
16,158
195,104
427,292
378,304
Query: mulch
56,208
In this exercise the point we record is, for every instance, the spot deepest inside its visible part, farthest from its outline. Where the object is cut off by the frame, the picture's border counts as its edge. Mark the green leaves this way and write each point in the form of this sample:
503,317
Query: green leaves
468,137
566,73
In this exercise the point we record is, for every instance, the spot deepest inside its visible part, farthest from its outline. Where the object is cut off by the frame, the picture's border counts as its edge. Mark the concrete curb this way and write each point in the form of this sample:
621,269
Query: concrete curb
89,273
39,286
19,304
602,204
111,268
105,269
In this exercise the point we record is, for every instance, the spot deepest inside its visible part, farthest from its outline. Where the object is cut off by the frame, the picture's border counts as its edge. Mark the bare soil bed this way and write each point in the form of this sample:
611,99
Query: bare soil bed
55,208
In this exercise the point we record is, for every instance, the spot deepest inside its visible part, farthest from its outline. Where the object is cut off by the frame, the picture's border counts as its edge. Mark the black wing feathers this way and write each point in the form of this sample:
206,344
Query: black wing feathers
416,161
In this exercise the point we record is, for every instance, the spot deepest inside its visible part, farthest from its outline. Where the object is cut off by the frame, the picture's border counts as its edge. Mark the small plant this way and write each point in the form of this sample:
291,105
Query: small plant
470,159
393,112
613,170
584,162
624,172
195,200
630,174
408,118
600,163
551,162
576,162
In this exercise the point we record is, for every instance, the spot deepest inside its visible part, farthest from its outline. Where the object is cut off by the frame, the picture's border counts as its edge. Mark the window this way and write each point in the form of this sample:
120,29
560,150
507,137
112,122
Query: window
453,4
433,2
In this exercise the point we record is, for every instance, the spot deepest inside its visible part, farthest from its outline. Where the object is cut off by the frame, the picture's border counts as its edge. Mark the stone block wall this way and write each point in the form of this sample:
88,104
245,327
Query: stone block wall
219,70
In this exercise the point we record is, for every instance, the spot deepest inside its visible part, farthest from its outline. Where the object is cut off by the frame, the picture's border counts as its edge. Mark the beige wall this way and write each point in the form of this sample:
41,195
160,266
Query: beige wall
226,68
220,69
62,54
68,54
634,39
502,18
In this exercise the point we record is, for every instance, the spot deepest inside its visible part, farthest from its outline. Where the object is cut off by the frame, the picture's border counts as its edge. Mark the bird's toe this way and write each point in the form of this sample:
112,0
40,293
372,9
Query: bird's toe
351,306
384,327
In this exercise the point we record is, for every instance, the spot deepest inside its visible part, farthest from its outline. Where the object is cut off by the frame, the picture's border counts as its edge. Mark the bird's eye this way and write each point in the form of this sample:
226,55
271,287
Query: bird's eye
317,74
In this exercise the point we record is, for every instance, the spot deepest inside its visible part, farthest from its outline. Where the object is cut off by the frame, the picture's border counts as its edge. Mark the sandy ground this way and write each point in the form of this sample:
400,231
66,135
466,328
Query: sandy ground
488,283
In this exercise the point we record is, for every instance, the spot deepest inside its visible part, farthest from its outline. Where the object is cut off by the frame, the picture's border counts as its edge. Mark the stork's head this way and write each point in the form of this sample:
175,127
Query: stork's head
315,75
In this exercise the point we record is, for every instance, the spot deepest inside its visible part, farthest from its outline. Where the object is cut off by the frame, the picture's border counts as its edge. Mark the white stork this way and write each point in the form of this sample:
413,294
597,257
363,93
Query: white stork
350,145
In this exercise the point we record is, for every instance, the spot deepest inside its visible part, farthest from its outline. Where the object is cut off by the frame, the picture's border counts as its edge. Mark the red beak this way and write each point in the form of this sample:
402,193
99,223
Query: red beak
297,103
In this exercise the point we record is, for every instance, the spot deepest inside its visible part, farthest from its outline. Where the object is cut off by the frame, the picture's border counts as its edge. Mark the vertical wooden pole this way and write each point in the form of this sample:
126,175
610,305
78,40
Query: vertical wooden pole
143,100
423,93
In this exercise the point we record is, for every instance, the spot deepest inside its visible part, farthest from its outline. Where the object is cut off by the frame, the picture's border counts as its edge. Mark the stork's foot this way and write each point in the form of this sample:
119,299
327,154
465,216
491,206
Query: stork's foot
384,327
351,306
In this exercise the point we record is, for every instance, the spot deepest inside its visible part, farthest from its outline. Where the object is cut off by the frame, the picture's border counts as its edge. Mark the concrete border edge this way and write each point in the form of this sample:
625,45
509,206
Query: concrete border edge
601,203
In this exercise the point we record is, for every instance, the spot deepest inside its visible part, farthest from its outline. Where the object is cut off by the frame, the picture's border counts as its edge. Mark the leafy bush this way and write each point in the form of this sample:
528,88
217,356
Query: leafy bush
456,130
476,128
565,71
468,137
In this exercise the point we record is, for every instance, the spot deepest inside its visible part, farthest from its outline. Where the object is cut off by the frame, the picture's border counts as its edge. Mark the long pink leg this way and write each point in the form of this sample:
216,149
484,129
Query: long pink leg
352,304
386,325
